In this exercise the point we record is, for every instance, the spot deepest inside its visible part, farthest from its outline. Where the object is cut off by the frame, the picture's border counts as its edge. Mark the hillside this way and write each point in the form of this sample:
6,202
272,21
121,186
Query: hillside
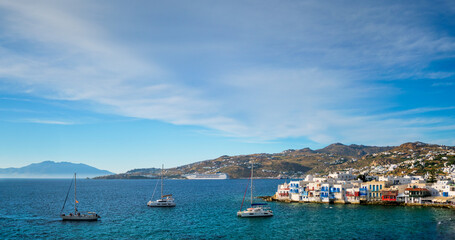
408,158
352,150
287,163
414,159
50,169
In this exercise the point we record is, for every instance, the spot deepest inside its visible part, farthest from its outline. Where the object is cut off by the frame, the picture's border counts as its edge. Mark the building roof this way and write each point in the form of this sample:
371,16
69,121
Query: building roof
417,189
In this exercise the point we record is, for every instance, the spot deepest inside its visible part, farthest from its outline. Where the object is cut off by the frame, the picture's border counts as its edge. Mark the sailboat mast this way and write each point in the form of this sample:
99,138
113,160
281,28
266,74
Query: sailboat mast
162,167
251,183
75,201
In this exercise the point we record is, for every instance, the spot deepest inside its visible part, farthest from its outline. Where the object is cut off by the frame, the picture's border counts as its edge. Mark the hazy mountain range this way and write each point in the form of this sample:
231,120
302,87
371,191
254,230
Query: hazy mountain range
50,169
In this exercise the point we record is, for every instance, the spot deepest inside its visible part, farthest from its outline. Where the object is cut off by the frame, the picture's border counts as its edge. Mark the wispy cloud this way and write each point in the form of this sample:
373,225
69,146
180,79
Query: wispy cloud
52,122
274,71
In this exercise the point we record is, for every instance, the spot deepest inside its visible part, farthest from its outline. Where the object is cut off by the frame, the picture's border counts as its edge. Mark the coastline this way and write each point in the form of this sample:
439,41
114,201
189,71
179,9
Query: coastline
274,199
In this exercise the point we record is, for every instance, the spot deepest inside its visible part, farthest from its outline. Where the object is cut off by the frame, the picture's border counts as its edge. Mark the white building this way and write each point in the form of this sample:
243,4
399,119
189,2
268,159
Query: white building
314,191
352,194
282,192
294,190
342,176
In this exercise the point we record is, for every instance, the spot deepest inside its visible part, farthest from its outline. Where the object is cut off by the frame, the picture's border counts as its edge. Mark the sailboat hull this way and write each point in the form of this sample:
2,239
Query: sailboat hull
77,216
255,213
160,204
85,218
256,210
165,200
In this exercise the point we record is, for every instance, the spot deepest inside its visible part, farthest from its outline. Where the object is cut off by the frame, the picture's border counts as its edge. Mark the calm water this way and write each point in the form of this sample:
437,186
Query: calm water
206,209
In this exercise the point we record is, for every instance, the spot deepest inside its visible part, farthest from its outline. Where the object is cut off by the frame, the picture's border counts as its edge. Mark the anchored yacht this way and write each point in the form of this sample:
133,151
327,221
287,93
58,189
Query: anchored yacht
77,216
256,209
165,200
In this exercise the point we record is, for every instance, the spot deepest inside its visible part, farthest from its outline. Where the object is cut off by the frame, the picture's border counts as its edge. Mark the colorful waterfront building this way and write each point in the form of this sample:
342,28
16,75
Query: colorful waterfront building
415,194
294,190
375,188
339,191
304,192
389,195
352,195
283,192
363,192
445,188
327,191
401,189
314,191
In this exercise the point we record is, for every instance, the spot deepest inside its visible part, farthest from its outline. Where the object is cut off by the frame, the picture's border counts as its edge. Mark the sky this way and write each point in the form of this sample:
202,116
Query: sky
121,85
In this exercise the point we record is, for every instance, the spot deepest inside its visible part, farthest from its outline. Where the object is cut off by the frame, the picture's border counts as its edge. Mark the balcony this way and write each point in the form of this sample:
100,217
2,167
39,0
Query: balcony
352,194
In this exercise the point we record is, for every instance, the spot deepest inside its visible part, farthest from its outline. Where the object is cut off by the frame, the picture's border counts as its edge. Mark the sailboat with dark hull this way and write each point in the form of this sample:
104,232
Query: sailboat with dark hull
77,216
165,200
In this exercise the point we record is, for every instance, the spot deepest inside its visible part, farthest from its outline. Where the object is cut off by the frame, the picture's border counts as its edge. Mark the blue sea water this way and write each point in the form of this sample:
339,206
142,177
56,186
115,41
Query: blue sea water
206,209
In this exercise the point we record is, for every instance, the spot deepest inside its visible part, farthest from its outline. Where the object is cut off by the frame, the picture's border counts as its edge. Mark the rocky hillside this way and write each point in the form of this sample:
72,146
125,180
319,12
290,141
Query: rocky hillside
294,163
414,159
352,150
287,163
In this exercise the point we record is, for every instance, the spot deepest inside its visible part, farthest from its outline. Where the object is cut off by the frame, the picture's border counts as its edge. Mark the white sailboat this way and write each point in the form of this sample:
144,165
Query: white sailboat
165,200
77,216
256,209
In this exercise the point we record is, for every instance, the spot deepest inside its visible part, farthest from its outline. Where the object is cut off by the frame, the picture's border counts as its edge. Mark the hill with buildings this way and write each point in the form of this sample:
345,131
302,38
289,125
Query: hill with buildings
408,158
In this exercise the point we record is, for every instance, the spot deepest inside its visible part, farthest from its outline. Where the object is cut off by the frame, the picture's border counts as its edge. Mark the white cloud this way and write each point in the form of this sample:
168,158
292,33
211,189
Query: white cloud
272,71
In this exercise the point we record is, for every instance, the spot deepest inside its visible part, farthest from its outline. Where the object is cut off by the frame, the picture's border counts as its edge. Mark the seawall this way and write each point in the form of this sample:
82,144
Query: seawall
274,199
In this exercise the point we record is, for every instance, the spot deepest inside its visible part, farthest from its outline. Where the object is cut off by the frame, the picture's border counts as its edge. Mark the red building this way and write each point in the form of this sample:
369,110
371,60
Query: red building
389,195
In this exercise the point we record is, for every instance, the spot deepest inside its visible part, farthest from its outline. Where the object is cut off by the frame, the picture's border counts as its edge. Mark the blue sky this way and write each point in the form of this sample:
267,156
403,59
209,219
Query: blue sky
121,85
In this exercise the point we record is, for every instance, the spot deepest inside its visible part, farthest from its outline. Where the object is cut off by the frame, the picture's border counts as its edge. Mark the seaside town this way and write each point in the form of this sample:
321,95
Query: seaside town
379,184
343,187
382,184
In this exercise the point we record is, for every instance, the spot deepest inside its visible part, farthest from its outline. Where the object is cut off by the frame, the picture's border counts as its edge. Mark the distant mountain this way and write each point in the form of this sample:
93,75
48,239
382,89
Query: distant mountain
50,169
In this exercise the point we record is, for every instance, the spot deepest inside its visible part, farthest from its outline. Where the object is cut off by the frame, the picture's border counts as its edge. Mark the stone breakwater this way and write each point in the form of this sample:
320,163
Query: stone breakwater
275,199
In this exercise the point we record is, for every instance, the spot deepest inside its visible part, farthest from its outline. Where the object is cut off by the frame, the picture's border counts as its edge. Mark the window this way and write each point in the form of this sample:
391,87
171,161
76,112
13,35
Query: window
381,186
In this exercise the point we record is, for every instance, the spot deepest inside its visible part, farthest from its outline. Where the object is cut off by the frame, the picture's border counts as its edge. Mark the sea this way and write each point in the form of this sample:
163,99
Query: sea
206,209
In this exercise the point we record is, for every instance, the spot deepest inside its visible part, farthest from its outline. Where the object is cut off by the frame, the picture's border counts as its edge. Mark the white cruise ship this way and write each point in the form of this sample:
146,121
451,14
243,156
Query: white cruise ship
216,176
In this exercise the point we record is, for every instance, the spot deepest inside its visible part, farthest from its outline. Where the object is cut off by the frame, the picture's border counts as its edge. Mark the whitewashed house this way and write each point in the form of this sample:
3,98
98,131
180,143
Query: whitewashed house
282,192
294,190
